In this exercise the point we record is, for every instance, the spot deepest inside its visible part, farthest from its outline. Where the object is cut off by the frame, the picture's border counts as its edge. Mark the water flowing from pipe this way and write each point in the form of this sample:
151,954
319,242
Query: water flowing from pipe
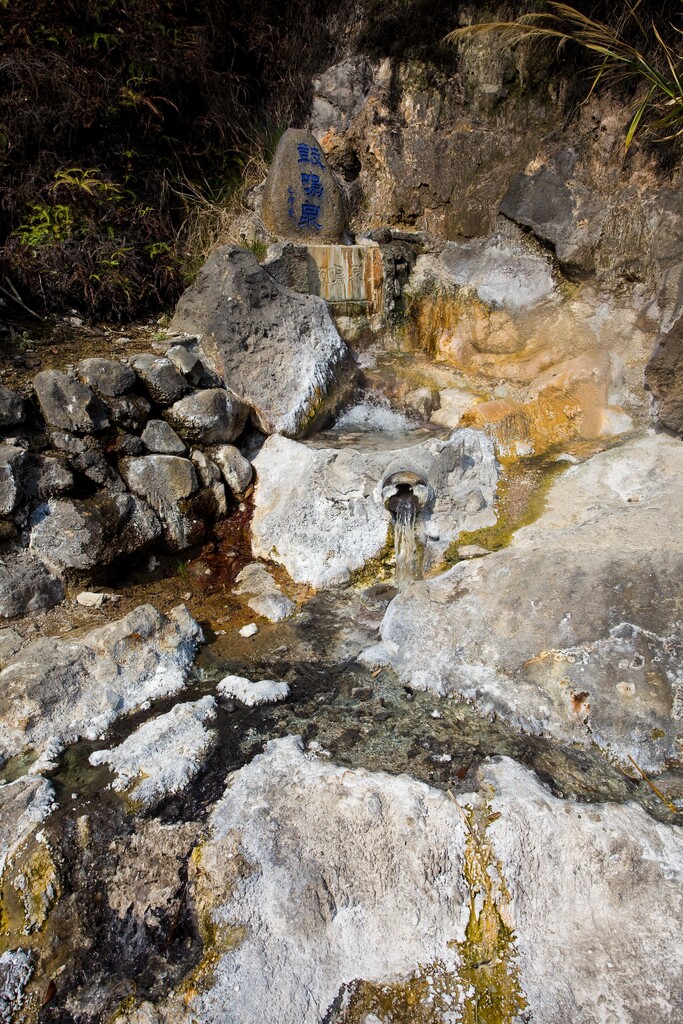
405,546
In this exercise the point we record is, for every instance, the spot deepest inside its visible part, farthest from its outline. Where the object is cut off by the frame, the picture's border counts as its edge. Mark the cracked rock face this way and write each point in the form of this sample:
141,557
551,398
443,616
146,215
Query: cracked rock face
573,631
319,512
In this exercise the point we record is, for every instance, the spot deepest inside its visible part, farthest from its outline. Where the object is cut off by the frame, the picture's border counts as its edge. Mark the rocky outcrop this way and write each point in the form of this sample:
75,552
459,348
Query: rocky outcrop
319,512
57,690
292,883
164,754
664,378
574,630
277,350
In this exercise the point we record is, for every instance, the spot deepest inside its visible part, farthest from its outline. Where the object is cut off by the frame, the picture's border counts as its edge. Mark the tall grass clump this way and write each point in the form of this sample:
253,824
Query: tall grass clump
634,50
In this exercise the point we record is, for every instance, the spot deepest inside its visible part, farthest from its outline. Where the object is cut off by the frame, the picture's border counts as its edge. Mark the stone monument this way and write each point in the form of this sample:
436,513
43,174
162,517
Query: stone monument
301,199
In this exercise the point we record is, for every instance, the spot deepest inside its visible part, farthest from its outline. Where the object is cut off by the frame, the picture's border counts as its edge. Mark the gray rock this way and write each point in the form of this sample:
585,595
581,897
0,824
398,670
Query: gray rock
301,197
209,417
340,93
265,596
166,482
67,404
566,216
161,379
85,456
153,899
90,599
129,412
670,297
60,690
11,467
163,755
664,378
10,643
320,512
16,970
575,630
91,535
502,272
12,409
106,376
27,586
318,842
210,478
160,438
187,359
44,476
24,805
128,444
237,471
277,350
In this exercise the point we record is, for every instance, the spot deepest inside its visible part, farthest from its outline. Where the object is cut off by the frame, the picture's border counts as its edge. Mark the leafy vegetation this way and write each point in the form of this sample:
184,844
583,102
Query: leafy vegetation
106,106
633,50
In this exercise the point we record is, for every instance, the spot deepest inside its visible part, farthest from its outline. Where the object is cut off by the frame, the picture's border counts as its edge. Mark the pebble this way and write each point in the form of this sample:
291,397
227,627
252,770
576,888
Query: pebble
88,599
250,630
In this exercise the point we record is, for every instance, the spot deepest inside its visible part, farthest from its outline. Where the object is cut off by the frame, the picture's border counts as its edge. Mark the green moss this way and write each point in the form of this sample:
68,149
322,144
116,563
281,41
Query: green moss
379,568
521,498
488,971
486,986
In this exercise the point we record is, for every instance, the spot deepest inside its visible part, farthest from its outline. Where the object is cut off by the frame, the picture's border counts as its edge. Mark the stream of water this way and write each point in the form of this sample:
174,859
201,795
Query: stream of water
405,546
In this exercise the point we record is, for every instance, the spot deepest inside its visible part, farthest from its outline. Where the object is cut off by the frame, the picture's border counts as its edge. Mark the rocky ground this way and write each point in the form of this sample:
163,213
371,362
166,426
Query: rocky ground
242,777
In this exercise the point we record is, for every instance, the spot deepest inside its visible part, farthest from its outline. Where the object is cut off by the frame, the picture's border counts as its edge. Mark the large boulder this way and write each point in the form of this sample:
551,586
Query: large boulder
498,900
575,630
664,378
92,534
56,690
321,513
68,404
276,349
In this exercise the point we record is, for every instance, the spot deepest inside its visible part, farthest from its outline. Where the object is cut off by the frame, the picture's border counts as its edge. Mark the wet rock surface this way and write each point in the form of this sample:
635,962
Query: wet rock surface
591,653
320,512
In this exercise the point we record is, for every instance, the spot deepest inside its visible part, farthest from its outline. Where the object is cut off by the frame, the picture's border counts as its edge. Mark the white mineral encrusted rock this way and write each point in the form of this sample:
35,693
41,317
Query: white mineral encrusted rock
59,690
261,691
164,754
265,596
319,876
24,804
16,968
501,271
575,630
319,511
